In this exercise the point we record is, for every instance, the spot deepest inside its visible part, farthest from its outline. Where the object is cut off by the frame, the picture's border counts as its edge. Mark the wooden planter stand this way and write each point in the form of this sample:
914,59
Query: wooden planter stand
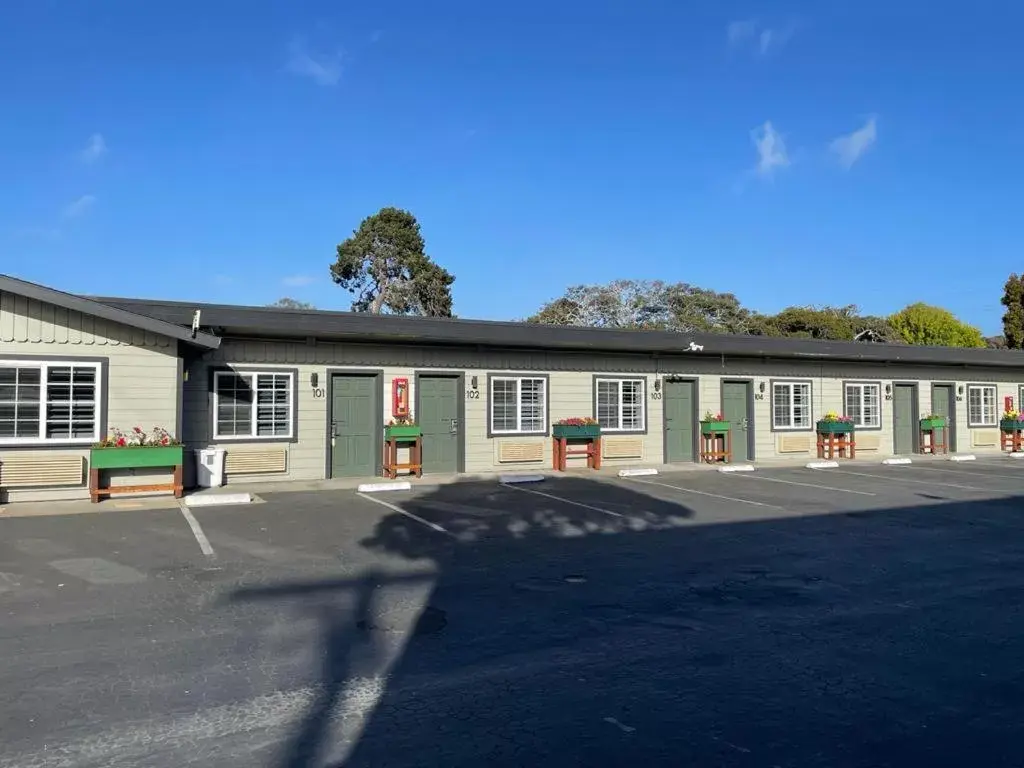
716,446
1011,440
415,463
560,451
833,445
935,440
150,457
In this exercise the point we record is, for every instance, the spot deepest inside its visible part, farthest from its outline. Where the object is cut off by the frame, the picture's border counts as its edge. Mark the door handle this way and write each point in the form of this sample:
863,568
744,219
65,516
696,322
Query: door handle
454,427
334,429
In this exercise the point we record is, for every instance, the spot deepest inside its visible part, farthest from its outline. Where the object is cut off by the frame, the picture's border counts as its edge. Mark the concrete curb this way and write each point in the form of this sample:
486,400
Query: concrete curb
896,461
1016,455
637,472
965,457
520,479
823,465
403,485
216,499
737,468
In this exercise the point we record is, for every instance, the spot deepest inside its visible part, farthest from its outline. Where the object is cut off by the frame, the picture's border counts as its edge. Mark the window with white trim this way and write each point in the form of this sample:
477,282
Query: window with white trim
791,405
253,404
981,405
863,404
518,405
620,405
49,402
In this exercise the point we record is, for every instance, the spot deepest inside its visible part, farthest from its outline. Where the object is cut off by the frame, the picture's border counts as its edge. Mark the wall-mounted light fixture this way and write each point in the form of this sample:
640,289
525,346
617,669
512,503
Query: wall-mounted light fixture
313,379
960,389
472,382
888,389
760,387
657,385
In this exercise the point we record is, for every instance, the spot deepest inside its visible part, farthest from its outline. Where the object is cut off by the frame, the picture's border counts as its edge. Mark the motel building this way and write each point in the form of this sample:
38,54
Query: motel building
304,395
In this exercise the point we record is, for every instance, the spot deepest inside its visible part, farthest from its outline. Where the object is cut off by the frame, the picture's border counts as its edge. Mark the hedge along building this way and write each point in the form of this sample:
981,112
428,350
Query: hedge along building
303,395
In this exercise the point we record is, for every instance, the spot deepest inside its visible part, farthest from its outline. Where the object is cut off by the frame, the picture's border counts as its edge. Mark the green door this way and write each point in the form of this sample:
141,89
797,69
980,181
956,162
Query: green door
904,430
355,426
439,418
680,429
736,409
943,405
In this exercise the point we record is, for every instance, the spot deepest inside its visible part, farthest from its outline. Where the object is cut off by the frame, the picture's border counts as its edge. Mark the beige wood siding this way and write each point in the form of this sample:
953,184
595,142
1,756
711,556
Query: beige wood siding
570,393
141,375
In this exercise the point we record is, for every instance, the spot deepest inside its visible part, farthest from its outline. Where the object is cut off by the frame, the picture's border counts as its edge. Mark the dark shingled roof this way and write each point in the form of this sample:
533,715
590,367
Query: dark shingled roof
273,322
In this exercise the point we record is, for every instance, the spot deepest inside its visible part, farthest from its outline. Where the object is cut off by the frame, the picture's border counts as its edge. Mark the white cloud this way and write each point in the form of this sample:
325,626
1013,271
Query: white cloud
95,148
323,69
771,149
740,31
760,39
851,147
79,207
297,281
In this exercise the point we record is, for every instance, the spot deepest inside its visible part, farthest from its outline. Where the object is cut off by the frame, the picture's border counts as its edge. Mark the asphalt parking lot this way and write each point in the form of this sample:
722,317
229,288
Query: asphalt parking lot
862,616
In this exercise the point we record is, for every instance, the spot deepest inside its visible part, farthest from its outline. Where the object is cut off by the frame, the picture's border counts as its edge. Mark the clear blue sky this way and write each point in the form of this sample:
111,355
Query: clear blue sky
789,152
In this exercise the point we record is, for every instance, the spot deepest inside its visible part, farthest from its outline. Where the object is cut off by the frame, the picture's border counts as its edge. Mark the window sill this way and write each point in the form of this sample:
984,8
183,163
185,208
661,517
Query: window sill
253,439
48,445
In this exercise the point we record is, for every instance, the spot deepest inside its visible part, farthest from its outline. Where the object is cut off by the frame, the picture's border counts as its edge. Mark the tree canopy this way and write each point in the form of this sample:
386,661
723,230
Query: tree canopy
684,307
1013,319
646,304
922,323
653,304
385,266
286,302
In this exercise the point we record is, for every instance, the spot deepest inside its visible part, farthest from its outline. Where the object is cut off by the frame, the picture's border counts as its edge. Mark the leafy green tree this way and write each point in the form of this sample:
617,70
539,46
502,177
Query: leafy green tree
640,304
924,324
1013,318
702,310
835,323
385,266
286,302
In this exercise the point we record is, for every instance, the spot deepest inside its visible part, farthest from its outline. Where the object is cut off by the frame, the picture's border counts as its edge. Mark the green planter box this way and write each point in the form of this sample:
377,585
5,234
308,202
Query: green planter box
930,424
834,428
1011,425
707,427
568,431
136,457
403,432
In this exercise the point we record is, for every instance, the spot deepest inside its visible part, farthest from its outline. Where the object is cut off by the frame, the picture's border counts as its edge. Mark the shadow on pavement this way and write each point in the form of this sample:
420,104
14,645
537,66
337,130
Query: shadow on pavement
554,635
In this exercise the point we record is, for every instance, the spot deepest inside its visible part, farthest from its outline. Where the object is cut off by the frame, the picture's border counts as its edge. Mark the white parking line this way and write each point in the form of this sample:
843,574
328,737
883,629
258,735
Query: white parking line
399,510
712,495
900,477
564,501
197,530
979,475
805,485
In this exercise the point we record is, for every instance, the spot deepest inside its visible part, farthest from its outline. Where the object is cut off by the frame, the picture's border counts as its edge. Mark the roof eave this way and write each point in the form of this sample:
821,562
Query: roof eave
114,314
